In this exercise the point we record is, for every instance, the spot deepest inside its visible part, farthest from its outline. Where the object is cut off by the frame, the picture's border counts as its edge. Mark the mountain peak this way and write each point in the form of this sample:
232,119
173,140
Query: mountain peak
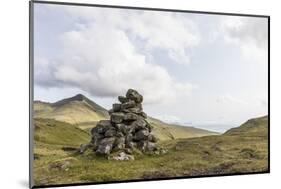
78,97
81,98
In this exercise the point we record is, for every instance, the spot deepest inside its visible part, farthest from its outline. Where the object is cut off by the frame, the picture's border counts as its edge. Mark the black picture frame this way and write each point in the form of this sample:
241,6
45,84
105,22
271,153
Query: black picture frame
31,85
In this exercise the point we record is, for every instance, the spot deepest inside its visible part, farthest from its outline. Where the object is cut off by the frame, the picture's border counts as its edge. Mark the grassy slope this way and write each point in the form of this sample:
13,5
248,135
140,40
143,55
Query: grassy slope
49,131
49,138
228,153
257,127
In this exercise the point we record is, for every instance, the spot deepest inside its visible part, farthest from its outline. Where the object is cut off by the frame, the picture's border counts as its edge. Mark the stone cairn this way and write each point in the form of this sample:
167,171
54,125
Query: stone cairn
126,130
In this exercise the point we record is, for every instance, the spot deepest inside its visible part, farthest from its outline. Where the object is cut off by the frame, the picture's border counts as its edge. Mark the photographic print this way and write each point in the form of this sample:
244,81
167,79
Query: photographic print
124,94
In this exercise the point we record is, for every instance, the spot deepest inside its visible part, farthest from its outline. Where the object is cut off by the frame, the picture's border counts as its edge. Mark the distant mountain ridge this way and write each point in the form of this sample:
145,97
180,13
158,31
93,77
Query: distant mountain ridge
84,113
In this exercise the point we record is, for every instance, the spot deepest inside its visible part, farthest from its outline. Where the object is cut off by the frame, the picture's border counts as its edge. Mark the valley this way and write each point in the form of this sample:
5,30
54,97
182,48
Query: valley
190,151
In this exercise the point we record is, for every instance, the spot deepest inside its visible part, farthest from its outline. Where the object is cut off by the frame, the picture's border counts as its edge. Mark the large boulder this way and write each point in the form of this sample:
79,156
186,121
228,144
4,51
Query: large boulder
101,127
141,135
147,146
130,117
110,133
129,138
142,145
96,137
134,95
105,146
104,149
130,129
120,143
121,127
117,117
140,124
122,99
129,104
137,109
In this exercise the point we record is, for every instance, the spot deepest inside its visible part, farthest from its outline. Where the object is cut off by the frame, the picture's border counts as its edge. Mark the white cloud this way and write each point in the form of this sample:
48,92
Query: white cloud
249,34
169,31
173,32
229,99
42,73
108,53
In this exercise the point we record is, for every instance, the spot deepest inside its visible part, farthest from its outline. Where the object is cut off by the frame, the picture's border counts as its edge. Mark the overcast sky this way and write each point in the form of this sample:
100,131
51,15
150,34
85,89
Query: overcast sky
195,69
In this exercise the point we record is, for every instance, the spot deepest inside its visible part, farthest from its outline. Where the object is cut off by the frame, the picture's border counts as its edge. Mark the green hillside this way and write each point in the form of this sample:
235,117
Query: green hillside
240,150
50,131
256,127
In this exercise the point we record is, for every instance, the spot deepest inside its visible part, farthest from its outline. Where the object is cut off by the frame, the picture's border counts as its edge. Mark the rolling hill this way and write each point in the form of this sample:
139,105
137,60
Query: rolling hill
75,110
255,127
84,113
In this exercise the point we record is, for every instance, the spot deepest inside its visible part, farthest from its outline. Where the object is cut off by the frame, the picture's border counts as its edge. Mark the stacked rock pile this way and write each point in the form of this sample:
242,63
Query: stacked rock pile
126,130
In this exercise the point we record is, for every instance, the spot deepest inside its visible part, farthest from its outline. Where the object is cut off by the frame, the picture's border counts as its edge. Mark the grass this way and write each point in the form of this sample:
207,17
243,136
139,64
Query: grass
221,154
49,131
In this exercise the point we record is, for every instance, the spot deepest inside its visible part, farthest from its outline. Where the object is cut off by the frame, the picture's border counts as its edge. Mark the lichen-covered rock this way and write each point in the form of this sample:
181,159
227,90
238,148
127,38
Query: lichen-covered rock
120,143
101,127
140,124
134,95
121,127
130,117
135,110
105,146
117,117
129,138
129,104
110,133
119,134
141,135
